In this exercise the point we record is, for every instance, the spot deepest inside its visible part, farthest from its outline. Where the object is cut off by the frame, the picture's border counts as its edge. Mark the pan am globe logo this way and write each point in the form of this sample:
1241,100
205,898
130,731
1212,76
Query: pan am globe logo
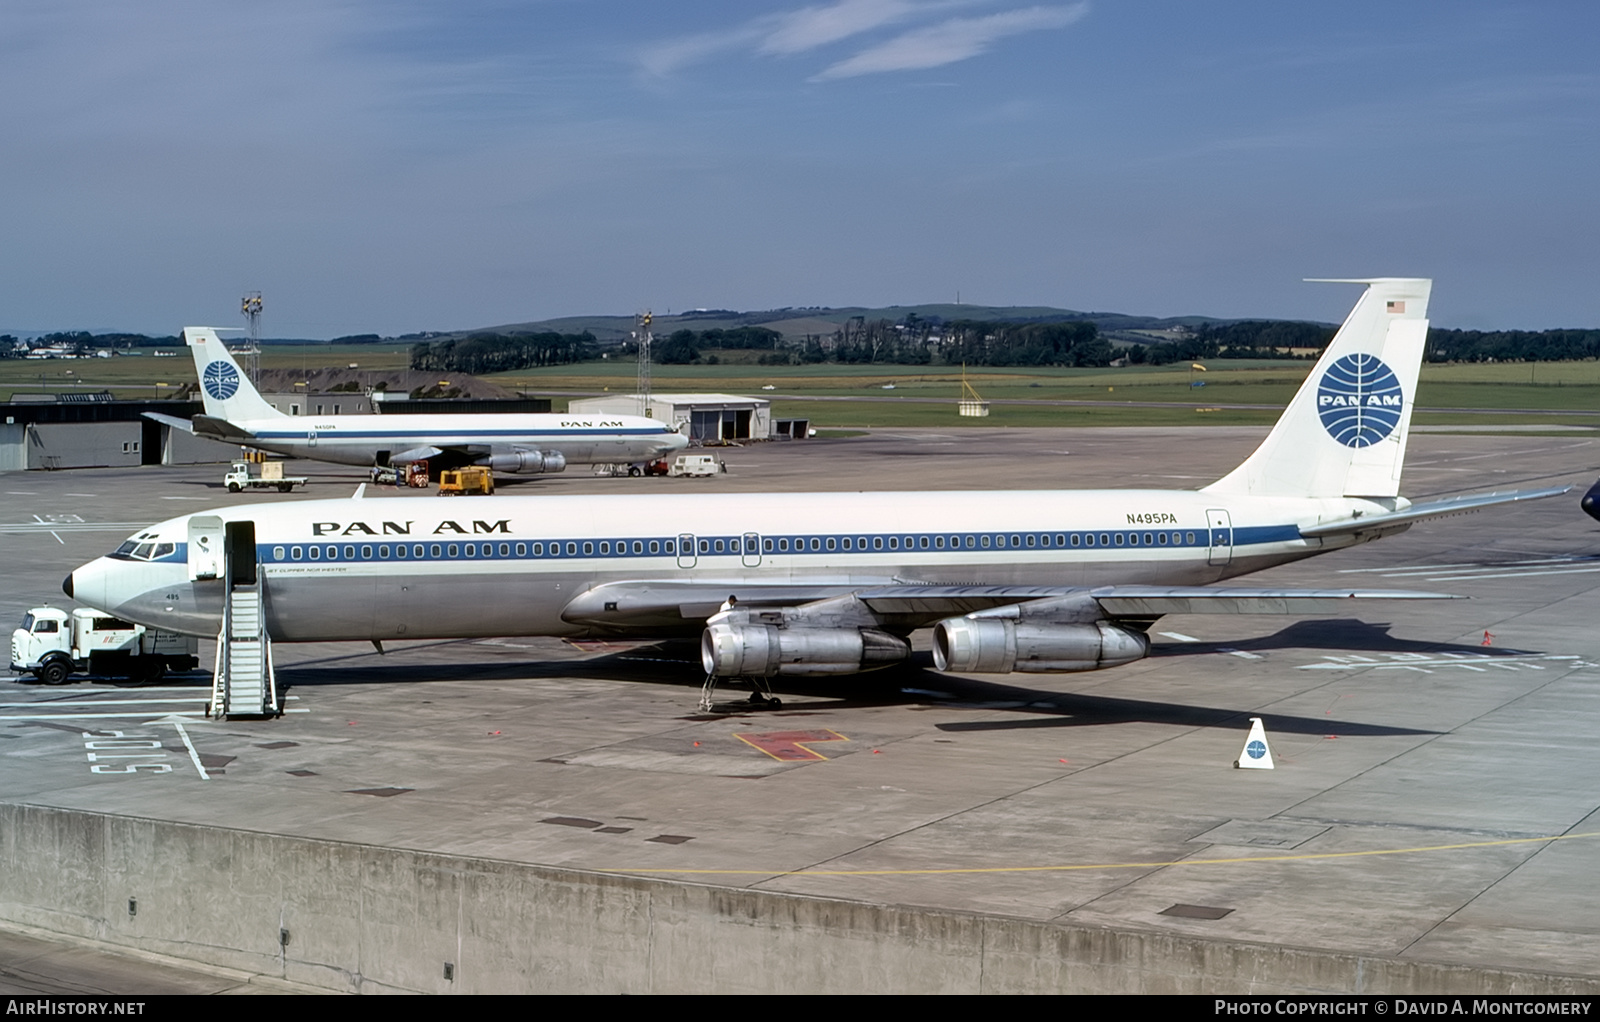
1359,400
221,380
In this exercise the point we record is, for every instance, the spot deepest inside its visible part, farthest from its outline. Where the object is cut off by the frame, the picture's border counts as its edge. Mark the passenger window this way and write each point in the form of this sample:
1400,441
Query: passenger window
453,550
986,541
767,544
349,553
416,551
366,553
1188,537
316,553
588,549
638,547
830,542
894,542
816,544
877,542
277,553
655,546
294,553
434,550
572,549
1147,539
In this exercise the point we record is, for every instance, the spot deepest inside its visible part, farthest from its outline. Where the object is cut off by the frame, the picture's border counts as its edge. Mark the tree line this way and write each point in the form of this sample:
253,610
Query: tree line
498,353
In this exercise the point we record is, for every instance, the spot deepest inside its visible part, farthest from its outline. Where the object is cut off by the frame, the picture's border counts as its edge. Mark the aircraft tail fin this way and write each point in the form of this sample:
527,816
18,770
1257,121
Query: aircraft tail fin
227,392
1344,433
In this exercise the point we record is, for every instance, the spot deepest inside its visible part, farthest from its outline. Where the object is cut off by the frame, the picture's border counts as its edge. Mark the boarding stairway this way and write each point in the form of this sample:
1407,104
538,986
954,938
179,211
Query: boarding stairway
243,683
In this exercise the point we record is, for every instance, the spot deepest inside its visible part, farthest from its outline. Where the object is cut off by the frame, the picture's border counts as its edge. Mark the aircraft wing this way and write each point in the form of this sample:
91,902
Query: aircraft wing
170,420
642,605
1431,509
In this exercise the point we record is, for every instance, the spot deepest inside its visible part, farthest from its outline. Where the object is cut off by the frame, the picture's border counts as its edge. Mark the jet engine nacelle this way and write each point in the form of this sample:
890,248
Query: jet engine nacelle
988,645
733,649
526,462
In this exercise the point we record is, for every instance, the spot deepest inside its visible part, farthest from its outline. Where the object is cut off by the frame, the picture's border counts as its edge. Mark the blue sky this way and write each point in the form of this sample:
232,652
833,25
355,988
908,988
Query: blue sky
408,164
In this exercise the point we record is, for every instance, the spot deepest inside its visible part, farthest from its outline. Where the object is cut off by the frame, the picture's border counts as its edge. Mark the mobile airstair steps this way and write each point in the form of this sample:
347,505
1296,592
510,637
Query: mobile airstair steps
243,684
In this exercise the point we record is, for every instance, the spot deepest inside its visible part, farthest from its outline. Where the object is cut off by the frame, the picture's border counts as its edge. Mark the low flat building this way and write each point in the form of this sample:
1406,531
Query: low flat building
703,417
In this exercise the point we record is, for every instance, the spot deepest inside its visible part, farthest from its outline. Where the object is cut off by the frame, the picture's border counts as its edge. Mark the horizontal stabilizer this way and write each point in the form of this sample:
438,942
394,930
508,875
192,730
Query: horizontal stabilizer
1430,509
219,429
170,420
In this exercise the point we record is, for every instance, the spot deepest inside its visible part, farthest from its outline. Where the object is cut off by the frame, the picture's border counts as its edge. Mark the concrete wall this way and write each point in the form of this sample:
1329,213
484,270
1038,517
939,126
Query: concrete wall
180,448
369,919
53,445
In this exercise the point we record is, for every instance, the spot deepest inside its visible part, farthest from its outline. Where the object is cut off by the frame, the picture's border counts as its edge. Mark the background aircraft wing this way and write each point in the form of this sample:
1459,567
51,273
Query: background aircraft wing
1430,509
667,605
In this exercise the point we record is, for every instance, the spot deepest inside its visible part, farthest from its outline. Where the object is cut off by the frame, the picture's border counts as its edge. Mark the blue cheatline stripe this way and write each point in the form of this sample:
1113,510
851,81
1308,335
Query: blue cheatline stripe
855,544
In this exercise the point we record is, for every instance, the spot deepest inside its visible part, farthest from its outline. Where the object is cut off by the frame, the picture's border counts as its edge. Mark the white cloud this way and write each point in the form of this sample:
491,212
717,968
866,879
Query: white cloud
810,27
951,41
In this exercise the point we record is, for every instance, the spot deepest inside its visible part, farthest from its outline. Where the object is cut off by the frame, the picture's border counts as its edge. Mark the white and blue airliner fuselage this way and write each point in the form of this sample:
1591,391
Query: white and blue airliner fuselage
832,583
504,442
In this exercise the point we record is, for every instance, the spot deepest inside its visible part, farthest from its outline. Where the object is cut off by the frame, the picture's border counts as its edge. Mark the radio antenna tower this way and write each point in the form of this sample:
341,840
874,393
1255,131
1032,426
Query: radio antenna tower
643,336
250,306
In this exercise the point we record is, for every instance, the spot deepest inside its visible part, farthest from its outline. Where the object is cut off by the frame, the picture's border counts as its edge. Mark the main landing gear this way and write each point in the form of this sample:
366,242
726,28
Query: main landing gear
760,694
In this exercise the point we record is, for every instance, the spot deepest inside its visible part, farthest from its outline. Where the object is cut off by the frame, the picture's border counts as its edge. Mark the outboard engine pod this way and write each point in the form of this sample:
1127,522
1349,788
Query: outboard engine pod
1000,646
526,462
1591,502
729,649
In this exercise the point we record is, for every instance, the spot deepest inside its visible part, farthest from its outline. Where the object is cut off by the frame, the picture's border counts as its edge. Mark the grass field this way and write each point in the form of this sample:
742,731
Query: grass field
1568,392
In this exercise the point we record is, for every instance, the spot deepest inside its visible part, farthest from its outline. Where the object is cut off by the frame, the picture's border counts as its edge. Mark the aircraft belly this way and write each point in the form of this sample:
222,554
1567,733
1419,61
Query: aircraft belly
466,605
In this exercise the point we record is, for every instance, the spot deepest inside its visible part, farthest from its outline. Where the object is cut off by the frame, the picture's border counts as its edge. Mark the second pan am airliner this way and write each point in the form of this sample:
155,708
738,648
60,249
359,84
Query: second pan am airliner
831,583
510,443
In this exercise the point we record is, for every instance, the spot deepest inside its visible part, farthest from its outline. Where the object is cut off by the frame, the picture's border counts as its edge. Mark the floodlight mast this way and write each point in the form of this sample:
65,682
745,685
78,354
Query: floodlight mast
643,336
250,306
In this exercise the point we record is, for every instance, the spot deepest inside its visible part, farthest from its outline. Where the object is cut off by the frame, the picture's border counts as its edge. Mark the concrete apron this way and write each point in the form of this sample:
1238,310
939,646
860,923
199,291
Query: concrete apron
348,917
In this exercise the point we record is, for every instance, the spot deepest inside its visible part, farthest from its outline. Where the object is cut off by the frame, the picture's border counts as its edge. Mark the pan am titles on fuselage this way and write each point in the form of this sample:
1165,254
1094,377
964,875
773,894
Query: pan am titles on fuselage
834,583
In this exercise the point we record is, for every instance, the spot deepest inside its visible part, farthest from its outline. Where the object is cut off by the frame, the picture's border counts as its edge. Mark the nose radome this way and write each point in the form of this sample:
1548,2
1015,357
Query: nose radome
66,585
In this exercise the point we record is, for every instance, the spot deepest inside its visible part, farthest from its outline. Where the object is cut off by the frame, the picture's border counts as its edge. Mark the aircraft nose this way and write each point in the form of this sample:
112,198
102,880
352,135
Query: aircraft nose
66,585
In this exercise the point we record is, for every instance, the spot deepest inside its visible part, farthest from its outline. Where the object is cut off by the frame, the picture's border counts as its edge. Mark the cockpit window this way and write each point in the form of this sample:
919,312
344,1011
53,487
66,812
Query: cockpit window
141,548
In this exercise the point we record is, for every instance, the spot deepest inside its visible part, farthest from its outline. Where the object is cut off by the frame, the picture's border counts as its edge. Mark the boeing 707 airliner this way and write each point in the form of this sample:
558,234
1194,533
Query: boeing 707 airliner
833,583
237,414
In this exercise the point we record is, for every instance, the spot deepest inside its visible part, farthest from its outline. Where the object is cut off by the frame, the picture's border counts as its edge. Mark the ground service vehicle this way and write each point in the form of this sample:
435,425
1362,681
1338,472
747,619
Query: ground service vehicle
464,481
271,478
53,645
695,465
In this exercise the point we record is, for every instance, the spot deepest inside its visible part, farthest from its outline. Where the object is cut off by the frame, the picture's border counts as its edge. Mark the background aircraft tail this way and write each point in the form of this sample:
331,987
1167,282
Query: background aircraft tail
224,388
1344,434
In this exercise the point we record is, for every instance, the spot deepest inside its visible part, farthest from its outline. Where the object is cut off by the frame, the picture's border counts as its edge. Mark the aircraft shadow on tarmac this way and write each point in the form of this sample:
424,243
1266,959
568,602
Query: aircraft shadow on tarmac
913,685
1343,634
